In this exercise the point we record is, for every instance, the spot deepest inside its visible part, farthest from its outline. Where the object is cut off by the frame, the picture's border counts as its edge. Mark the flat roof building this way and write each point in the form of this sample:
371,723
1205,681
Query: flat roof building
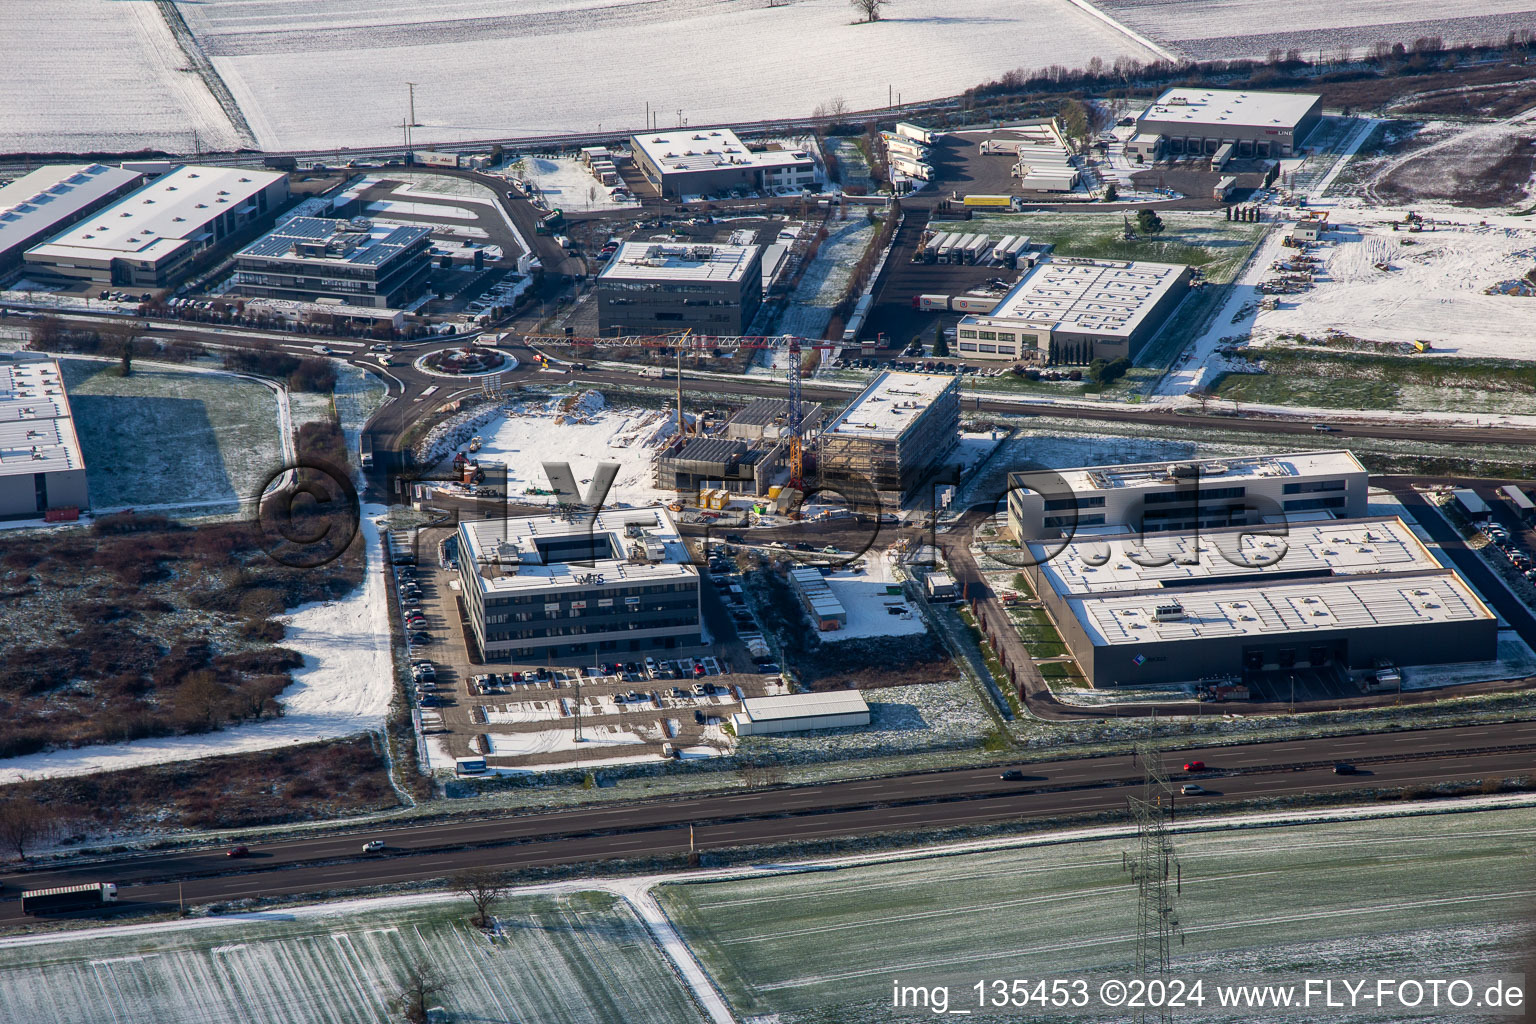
574,589
150,236
660,287
1187,494
891,438
1319,598
704,161
1070,310
799,712
41,468
50,199
358,262
1202,121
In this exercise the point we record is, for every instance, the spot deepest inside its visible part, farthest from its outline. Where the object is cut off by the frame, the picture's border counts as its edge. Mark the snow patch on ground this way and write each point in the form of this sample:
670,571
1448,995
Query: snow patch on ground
872,611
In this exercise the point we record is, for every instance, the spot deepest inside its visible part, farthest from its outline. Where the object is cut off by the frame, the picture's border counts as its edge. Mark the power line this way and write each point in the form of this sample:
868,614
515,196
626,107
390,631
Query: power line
1155,871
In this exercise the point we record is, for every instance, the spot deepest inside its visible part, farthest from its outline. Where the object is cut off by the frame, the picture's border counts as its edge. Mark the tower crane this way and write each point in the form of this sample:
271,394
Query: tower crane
684,341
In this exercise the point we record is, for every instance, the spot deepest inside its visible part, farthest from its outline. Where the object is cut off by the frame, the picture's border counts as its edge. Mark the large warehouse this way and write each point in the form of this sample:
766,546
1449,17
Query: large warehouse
1069,310
660,287
704,161
1201,121
53,197
1323,597
891,437
572,590
1189,494
147,238
41,469
356,262
798,712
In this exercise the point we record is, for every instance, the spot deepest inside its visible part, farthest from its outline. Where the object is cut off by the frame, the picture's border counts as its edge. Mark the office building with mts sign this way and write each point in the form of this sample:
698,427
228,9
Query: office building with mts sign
660,287
578,589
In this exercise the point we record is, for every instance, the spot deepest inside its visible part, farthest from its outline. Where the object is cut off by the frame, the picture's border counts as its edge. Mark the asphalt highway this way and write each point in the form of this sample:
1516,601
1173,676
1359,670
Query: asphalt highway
1052,789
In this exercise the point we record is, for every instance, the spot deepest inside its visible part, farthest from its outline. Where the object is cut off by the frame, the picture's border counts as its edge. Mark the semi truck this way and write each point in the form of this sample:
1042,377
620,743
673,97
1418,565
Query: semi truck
915,132
68,897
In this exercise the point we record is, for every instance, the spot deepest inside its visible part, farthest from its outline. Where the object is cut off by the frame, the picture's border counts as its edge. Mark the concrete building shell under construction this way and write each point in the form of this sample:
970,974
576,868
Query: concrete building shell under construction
891,438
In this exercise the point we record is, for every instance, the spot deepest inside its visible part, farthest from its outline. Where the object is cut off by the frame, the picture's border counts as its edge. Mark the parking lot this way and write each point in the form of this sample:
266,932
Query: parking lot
532,717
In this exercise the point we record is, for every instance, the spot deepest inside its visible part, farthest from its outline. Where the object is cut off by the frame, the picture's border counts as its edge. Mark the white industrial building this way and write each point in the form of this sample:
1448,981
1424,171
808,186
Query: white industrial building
1202,121
1071,310
41,468
579,589
800,712
147,238
1188,494
702,161
50,199
1317,597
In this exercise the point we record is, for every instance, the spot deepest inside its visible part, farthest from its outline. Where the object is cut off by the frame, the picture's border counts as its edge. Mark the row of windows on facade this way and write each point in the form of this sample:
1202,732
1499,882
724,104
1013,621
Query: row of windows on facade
1171,519
659,287
631,605
534,634
626,592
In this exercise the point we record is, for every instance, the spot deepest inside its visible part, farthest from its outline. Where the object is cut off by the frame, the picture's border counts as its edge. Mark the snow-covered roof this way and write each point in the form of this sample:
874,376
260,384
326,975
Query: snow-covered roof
804,705
1218,107
1290,609
671,261
1103,297
890,404
37,433
705,149
616,548
1088,479
54,195
1113,560
153,221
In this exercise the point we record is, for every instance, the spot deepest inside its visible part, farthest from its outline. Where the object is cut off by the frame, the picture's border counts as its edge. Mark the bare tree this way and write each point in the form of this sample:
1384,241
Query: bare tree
755,773
483,887
834,107
870,9
23,823
46,332
422,982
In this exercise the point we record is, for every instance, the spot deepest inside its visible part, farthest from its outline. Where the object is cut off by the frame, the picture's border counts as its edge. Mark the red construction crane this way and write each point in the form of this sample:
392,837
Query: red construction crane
685,341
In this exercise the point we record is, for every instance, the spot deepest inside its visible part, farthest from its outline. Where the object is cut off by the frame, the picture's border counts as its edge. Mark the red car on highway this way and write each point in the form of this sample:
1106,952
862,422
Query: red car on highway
1195,766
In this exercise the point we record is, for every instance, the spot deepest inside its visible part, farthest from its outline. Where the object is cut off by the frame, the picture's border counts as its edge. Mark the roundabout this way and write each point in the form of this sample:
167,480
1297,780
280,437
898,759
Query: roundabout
465,361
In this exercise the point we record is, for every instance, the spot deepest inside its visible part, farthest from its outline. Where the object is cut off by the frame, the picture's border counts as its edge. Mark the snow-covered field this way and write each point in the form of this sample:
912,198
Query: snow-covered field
570,957
317,73
91,75
1250,28
1375,898
170,437
536,431
1433,291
